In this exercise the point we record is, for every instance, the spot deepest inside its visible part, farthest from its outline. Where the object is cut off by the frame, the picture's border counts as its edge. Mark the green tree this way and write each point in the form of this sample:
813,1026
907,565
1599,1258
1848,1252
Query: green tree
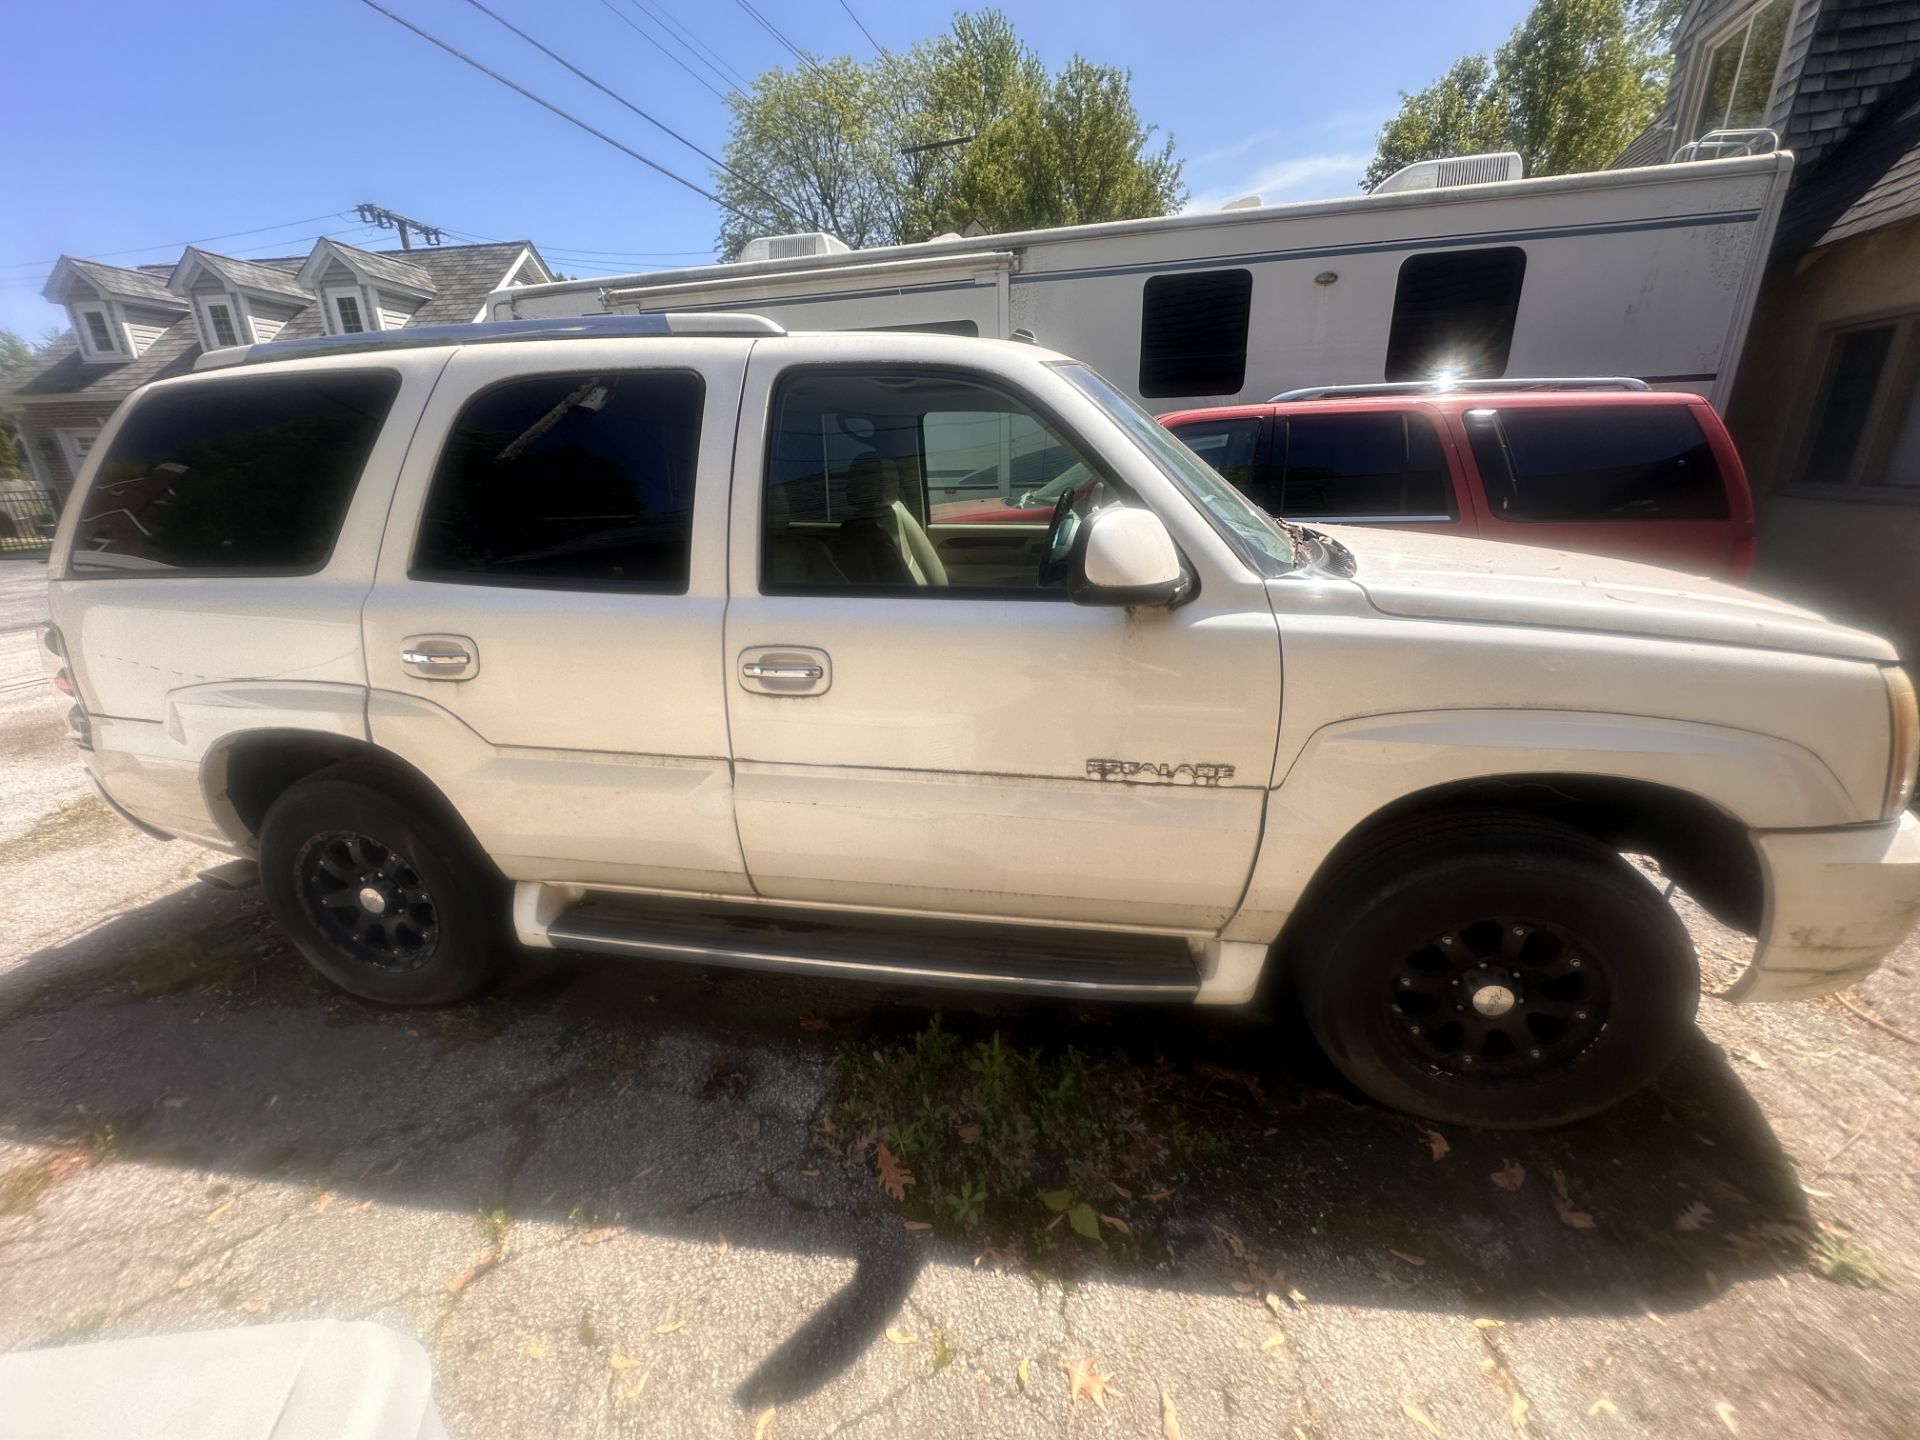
1576,81
15,355
965,127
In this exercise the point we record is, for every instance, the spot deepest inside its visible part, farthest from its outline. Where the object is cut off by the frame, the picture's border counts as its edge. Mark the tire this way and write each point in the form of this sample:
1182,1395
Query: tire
432,929
1412,950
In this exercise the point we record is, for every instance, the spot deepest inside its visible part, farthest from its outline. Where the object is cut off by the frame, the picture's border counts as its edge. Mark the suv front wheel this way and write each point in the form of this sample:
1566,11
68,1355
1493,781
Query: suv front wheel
1496,970
382,897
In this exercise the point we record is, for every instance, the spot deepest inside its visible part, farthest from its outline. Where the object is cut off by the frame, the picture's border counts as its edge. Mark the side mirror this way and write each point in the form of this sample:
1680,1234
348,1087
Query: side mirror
1124,556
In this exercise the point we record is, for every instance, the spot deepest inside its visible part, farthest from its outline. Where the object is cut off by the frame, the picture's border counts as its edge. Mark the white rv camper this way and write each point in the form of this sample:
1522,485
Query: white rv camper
1646,272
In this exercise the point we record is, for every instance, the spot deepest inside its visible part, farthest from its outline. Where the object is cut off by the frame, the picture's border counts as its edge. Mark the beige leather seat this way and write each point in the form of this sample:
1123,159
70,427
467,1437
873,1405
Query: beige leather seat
881,543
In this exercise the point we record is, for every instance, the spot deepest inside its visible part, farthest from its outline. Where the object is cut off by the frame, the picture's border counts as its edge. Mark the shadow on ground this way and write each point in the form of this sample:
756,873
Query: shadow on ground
675,1101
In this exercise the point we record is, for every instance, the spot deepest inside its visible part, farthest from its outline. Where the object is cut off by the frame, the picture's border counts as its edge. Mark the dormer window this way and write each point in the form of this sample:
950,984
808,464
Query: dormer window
98,328
346,309
1742,65
221,326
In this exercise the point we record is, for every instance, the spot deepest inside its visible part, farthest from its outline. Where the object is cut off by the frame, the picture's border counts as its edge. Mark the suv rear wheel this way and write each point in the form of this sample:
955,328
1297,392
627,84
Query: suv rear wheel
383,898
1496,970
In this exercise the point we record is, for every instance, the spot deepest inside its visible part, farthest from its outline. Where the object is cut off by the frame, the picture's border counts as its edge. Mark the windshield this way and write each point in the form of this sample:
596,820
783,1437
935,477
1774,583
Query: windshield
1271,549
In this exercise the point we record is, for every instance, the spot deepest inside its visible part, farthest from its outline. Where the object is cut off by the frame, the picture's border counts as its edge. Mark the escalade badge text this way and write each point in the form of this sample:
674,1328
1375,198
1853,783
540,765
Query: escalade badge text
1198,773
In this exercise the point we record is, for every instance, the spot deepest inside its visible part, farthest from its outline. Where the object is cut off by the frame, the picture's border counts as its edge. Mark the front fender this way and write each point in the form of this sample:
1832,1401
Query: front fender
1350,771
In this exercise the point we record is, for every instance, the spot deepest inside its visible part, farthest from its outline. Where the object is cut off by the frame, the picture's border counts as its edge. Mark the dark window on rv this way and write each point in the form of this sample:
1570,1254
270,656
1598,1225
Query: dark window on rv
1640,462
568,482
1193,333
246,476
1453,311
1383,465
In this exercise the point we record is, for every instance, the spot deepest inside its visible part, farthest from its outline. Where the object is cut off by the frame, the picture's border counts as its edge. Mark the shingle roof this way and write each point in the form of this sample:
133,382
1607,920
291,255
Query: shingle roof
393,269
1858,53
462,276
62,372
247,274
1869,180
138,285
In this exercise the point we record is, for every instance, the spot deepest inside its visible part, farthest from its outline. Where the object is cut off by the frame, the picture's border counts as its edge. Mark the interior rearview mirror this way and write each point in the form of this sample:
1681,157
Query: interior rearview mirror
1125,556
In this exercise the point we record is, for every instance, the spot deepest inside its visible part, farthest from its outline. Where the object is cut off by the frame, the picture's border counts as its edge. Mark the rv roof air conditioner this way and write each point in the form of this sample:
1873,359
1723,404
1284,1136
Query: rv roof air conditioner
792,247
1451,171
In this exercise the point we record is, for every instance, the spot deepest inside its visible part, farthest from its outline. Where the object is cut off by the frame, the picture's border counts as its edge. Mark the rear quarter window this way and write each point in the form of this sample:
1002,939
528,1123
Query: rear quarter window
246,476
1593,463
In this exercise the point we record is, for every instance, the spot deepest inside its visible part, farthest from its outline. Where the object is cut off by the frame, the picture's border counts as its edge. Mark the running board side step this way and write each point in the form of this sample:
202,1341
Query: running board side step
889,949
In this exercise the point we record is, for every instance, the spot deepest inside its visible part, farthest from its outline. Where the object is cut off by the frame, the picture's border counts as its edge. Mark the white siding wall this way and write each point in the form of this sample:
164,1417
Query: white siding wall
144,326
395,310
266,327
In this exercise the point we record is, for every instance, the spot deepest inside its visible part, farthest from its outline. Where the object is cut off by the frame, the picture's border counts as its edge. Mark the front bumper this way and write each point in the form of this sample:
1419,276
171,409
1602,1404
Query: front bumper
1837,902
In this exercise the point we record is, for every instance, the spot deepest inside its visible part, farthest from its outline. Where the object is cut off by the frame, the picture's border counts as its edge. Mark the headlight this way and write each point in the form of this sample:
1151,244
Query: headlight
1906,741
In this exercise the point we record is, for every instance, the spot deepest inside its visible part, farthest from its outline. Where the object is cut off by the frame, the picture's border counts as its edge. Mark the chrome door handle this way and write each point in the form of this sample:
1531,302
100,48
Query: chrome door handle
437,659
786,670
440,657
754,670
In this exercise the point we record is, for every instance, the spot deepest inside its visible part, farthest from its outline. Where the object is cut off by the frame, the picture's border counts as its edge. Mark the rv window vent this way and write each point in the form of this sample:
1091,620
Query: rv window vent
792,247
1454,170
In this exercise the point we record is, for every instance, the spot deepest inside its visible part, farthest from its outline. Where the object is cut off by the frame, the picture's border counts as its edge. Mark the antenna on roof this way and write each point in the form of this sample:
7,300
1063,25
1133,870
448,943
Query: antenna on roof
390,220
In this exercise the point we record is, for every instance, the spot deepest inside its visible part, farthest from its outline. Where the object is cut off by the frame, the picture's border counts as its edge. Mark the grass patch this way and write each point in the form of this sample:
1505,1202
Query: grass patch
1056,1151
73,826
1837,1258
218,958
494,1224
476,1022
22,1185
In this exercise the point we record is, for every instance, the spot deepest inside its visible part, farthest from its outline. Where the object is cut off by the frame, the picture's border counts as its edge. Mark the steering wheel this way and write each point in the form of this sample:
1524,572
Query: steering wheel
1062,530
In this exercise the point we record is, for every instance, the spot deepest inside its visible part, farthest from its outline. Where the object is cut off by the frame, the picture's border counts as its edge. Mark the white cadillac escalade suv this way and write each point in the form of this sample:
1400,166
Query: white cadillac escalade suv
635,635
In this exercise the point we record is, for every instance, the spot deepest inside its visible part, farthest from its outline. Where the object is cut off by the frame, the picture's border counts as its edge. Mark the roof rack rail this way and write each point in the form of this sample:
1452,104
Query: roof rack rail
1455,387
579,327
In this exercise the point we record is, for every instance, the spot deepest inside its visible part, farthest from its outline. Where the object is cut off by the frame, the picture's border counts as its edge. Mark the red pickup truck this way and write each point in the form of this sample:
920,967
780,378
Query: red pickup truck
1606,466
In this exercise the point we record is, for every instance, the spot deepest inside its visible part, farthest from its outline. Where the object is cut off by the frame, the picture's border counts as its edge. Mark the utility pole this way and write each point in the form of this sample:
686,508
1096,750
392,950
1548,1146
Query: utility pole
391,220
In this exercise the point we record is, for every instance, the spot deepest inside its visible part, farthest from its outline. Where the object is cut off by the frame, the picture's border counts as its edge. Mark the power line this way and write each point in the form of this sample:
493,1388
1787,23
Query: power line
798,54
877,49
182,244
658,124
548,105
696,47
614,10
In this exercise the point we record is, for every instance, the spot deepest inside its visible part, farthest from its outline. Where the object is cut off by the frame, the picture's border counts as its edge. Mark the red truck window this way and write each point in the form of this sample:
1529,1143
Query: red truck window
1374,466
1650,462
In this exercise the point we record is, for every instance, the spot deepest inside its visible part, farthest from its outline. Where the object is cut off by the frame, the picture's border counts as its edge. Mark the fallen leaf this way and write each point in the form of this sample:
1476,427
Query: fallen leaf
894,1177
1419,1417
997,1255
1236,1247
1083,1221
536,1349
1517,1412
1084,1377
1118,1189
1563,1206
1056,1200
323,1203
1437,1143
722,1246
669,1327
1242,1287
1116,1223
1410,1259
1297,1298
1484,1324
1725,1412
1510,1176
1694,1217
1169,1417
815,1022
1603,1406
748,1127
969,1133
1274,1341
810,1174
1272,1302
253,1307
473,1272
617,1362
222,1208
272,1100
595,1237
760,1425
1157,1196
919,1225
633,1390
1020,1373
896,1336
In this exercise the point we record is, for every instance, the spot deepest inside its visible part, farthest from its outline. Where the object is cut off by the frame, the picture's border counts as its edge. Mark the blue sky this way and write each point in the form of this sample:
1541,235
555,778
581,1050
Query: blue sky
148,125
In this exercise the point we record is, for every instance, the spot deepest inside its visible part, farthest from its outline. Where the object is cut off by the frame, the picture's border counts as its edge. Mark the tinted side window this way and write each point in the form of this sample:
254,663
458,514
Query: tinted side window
581,481
1193,333
249,476
1454,310
1648,462
1232,447
1382,466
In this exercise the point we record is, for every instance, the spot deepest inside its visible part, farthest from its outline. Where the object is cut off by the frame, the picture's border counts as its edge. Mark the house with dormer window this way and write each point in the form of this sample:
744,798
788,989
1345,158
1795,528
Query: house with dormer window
1826,404
136,324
